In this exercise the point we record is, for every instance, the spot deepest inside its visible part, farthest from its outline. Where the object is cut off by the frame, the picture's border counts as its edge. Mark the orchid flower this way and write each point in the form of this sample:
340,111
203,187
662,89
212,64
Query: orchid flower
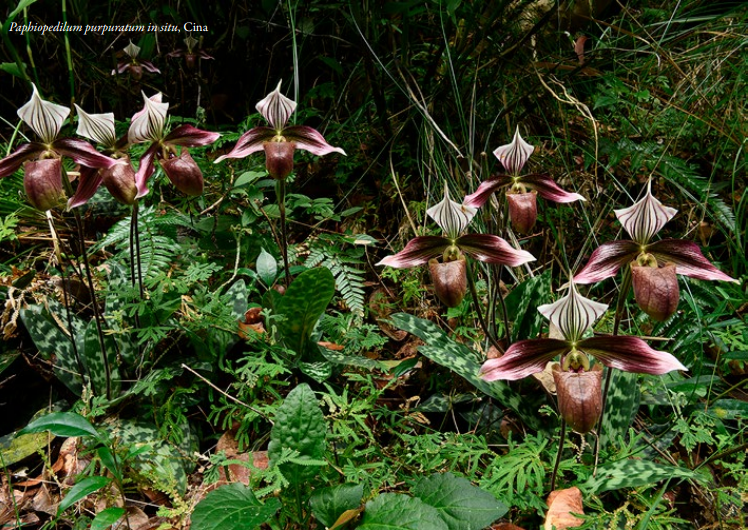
192,52
43,169
149,125
280,140
453,218
523,210
135,65
119,179
653,264
573,315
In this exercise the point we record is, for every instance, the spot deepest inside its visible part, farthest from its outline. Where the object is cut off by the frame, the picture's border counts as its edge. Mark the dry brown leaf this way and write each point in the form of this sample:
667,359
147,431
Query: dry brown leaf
546,378
506,526
561,504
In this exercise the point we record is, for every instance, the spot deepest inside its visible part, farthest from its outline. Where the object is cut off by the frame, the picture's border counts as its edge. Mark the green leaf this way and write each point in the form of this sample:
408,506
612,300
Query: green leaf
621,406
461,505
65,424
304,302
329,503
106,518
392,511
23,4
81,490
465,362
267,267
232,507
93,359
12,69
236,295
522,305
300,426
633,474
729,409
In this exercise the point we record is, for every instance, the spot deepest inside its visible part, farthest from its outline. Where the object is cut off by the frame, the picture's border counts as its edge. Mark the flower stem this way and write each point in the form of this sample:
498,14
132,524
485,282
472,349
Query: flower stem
476,303
280,190
561,441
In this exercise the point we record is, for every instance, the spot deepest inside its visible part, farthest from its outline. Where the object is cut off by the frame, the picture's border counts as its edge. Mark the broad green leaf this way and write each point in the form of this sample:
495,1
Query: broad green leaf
461,505
300,426
81,490
522,306
23,4
393,511
236,295
66,424
6,359
106,518
621,406
358,361
465,362
93,360
12,69
16,447
232,507
633,474
328,504
303,304
729,409
267,267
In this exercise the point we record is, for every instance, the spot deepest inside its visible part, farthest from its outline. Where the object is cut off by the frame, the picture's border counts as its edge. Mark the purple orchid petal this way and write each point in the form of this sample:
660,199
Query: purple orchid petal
88,182
645,218
309,139
606,260
145,170
451,216
149,66
573,314
548,189
492,249
13,161
417,252
189,136
630,354
514,155
523,358
249,142
276,109
82,152
688,259
486,189
122,67
44,117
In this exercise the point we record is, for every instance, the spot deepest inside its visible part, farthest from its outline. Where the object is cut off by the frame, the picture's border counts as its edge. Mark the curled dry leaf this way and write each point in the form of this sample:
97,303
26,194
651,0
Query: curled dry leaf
561,505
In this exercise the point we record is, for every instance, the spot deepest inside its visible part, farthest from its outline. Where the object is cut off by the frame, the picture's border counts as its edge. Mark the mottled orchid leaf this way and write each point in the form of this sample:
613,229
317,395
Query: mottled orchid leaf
645,218
276,108
573,314
523,358
688,259
514,155
189,136
96,127
630,354
451,216
493,249
606,260
249,142
486,189
148,124
309,139
44,117
417,252
548,189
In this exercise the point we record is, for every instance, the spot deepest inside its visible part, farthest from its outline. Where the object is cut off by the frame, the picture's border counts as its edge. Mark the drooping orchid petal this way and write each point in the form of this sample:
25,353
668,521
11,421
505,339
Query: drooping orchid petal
523,358
81,152
548,189
309,139
451,216
417,252
573,314
148,124
88,182
97,127
688,259
189,136
645,218
249,142
44,117
145,170
606,260
13,161
276,109
514,155
630,354
492,249
486,189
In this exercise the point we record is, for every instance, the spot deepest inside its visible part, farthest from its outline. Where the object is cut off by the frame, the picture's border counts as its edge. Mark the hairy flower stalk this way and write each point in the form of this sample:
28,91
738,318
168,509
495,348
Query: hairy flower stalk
522,189
653,264
280,141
